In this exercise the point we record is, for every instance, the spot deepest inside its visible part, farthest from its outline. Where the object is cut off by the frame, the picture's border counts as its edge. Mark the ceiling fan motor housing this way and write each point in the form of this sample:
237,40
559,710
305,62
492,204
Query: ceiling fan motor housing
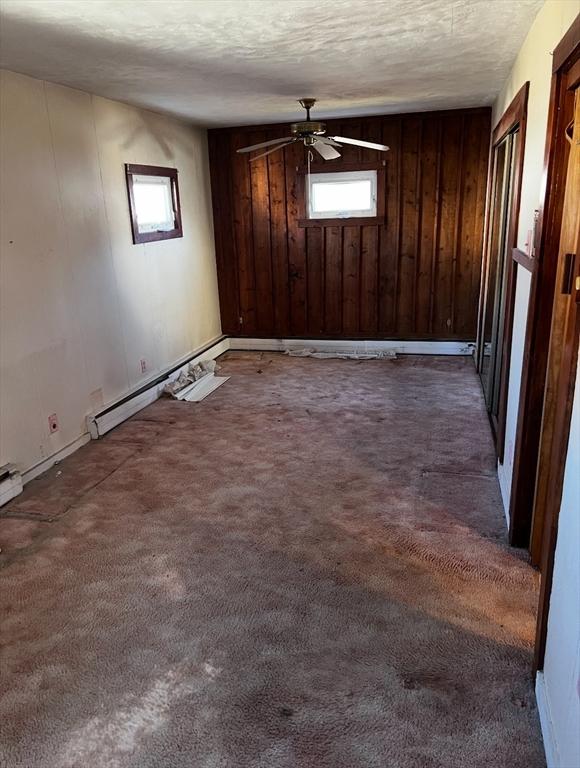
308,128
311,133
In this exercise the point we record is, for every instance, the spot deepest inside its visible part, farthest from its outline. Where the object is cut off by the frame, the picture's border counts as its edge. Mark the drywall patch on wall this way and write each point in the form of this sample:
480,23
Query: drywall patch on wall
80,305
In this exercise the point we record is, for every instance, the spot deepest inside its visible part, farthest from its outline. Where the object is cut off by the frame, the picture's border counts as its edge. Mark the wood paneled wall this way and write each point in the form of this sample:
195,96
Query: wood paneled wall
414,274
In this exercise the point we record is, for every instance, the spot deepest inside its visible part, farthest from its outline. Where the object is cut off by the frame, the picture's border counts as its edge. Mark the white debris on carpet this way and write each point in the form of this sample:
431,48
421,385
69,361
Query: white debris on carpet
197,383
380,355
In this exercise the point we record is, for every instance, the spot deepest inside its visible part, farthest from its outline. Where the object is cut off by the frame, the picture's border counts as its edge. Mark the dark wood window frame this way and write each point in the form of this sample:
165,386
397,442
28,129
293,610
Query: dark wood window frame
513,120
153,170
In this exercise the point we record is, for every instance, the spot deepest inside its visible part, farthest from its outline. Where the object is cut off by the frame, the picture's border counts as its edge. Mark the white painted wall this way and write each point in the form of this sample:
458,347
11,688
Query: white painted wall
559,686
560,701
533,63
80,305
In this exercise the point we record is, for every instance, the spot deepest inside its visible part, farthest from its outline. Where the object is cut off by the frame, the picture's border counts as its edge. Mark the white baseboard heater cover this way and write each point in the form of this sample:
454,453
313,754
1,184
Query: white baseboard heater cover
10,483
101,423
199,390
355,346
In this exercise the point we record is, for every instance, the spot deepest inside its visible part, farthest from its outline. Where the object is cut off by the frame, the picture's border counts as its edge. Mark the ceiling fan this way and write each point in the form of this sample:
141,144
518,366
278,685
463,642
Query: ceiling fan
311,133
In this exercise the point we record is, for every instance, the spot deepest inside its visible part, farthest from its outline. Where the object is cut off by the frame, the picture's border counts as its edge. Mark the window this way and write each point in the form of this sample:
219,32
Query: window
342,195
153,203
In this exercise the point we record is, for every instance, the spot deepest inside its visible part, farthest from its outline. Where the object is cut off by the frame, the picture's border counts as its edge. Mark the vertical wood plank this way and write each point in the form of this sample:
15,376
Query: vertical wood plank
464,309
279,243
450,159
436,226
458,224
243,235
350,280
429,168
315,282
262,252
333,280
295,210
369,285
226,261
389,234
350,153
484,123
409,227
371,130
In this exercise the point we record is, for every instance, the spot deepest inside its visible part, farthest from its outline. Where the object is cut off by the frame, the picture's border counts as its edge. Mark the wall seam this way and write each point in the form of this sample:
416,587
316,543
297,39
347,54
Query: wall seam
67,235
109,242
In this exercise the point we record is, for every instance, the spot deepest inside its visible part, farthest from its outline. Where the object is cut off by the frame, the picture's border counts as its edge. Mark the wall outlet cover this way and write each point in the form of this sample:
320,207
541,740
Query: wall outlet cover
53,423
143,365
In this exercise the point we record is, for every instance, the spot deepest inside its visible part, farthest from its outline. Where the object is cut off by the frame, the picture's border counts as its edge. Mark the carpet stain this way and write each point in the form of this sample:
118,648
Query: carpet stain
309,569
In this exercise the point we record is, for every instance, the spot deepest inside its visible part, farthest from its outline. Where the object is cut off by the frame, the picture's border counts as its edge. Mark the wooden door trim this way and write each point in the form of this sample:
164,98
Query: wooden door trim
524,259
518,119
514,114
567,48
514,118
565,398
536,345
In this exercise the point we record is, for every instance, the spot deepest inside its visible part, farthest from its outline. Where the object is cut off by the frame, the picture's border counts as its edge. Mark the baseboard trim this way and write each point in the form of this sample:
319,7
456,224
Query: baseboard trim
116,413
354,345
98,424
51,460
548,735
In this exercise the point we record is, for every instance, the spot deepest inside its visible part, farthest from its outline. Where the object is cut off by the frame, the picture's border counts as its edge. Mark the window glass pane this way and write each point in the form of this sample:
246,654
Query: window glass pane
341,195
153,203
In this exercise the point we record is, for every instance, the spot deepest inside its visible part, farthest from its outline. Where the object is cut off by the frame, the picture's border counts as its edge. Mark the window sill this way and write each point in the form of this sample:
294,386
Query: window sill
353,221
153,237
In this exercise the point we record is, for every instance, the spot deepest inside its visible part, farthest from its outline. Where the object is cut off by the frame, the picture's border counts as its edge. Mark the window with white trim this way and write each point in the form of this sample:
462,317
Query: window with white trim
350,194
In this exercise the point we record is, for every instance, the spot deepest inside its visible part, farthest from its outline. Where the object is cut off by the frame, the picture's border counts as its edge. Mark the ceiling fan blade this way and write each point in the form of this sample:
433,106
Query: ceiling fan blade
263,144
327,152
360,143
328,140
269,152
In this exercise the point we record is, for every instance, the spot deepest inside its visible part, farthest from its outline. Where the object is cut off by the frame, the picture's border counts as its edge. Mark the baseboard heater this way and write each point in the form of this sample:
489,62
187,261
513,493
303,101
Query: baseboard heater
109,418
98,424
356,346
10,483
102,422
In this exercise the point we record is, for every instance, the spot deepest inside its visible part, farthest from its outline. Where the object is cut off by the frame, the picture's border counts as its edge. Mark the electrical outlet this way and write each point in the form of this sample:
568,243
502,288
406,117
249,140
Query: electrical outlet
53,423
143,365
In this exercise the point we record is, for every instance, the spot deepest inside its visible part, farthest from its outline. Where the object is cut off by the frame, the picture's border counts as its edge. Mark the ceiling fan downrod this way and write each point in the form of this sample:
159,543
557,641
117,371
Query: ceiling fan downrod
307,104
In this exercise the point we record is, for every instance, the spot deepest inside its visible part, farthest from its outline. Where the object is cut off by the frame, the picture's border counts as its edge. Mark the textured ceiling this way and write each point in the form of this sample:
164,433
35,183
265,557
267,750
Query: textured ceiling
230,62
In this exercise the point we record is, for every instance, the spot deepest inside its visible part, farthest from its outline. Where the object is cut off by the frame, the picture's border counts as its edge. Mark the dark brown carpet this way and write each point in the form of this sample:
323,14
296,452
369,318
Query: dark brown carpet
307,569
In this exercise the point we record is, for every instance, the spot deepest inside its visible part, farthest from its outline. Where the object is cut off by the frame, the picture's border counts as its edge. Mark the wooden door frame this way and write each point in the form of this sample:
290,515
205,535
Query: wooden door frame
557,461
536,345
514,118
